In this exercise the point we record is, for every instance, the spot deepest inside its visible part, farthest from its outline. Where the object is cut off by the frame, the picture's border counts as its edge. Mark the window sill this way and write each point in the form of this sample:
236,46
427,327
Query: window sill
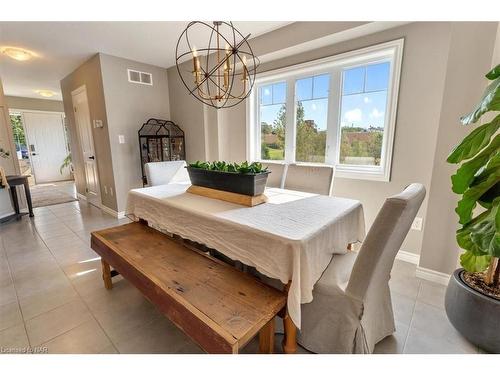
361,174
343,171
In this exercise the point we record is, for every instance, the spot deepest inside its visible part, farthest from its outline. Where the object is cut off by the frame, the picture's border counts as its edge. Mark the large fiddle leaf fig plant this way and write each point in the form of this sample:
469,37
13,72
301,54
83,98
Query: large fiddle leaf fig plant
477,180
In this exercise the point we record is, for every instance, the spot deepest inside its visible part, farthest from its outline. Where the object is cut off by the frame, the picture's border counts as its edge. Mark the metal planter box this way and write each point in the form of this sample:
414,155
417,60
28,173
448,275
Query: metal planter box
247,184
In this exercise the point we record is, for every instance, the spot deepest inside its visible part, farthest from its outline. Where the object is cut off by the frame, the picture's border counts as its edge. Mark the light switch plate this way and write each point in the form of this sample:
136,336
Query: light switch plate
417,224
121,138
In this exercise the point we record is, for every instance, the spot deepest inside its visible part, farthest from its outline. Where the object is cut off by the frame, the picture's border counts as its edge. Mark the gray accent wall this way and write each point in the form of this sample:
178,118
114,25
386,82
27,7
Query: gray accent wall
188,113
128,106
123,107
469,59
89,74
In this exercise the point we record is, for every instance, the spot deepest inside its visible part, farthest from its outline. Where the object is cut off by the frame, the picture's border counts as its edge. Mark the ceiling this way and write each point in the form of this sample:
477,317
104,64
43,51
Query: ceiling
62,46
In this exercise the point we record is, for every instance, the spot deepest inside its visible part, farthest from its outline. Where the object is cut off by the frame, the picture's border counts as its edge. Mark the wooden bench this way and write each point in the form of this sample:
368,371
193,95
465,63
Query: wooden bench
216,305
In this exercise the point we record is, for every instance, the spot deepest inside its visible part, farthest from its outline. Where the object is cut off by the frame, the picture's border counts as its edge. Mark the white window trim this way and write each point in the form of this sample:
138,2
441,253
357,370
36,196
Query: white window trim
392,51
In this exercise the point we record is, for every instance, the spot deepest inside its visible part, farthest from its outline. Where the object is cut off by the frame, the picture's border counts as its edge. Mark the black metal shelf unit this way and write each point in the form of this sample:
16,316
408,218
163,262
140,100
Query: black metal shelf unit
160,140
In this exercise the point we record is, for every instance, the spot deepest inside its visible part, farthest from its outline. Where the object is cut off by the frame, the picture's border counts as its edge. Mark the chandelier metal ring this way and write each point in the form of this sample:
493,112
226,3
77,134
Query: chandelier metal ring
223,72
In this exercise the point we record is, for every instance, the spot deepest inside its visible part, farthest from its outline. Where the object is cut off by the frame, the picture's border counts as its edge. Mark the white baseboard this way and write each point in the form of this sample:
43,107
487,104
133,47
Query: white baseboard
118,215
6,214
431,275
407,256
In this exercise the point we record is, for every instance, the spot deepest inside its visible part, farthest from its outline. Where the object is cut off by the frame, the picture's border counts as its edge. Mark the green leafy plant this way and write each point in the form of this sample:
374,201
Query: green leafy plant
67,163
477,180
222,166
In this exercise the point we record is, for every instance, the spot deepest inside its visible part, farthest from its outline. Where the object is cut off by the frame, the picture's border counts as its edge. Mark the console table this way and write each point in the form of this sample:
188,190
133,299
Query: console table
14,181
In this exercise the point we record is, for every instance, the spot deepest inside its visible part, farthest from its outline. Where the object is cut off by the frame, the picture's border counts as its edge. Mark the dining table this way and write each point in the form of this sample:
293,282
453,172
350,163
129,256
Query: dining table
292,237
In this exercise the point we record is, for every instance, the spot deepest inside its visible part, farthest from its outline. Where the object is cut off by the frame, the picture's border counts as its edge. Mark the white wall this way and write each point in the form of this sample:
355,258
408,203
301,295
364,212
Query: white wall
10,164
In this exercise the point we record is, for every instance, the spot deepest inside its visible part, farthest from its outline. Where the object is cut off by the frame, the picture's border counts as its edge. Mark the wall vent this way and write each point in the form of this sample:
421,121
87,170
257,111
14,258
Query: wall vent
142,78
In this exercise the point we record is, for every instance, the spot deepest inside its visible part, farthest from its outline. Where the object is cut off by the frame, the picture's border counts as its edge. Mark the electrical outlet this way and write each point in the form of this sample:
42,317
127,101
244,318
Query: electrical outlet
105,190
111,190
417,224
121,139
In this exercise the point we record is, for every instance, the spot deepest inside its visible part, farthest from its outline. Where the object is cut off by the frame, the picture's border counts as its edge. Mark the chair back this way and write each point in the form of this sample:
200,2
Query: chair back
275,178
311,179
373,265
164,172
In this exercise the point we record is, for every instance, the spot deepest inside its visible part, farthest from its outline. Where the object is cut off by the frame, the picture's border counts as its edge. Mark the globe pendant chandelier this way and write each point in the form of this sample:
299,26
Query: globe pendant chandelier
223,70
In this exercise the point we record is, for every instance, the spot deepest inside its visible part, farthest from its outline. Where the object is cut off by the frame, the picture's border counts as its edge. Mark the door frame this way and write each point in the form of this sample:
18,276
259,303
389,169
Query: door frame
77,91
22,112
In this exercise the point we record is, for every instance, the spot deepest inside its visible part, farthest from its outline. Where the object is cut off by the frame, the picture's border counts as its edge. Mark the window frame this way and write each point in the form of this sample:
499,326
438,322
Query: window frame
334,65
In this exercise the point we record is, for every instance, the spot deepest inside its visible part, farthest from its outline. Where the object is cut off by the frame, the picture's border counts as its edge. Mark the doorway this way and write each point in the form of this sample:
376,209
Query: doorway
86,141
47,146
43,152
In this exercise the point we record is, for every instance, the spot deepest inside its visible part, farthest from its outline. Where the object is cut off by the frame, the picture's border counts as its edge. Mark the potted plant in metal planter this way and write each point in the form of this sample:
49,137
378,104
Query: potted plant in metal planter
473,296
245,178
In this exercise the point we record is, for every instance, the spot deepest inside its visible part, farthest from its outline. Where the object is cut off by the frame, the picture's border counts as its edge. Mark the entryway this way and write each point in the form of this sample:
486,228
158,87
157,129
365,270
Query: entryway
43,153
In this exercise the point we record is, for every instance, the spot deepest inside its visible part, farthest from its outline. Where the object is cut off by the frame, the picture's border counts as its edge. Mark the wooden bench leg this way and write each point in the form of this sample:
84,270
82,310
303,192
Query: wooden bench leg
289,343
266,338
106,274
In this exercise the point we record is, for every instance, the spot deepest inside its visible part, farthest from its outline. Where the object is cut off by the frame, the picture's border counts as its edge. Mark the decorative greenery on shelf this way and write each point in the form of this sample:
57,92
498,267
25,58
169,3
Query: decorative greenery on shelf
222,166
477,180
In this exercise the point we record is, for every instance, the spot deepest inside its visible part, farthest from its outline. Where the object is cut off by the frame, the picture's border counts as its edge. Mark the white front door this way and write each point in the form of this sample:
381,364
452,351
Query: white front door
46,145
84,128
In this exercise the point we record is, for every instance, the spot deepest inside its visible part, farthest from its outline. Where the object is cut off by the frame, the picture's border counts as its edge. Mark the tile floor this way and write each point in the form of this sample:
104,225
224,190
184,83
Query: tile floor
51,296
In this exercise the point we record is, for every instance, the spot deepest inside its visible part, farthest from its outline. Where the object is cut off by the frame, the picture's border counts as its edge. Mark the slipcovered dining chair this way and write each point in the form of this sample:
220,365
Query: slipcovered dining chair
275,178
311,179
164,172
351,309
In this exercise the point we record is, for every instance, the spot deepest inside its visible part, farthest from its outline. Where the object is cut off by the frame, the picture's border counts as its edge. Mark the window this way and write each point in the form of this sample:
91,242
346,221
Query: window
362,114
311,118
272,121
22,152
339,110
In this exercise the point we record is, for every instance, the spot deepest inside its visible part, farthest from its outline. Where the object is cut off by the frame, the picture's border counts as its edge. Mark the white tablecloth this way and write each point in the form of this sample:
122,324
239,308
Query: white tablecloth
291,237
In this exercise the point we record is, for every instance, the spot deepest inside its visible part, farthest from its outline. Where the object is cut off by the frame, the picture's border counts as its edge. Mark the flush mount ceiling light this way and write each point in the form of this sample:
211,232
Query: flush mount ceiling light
16,53
45,93
223,71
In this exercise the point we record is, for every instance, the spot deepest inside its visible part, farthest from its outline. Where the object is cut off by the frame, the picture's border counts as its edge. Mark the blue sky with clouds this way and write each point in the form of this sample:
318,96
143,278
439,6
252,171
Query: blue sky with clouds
363,101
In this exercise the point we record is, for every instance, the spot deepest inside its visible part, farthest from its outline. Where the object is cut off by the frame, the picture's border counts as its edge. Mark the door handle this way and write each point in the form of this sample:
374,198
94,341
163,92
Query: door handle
92,157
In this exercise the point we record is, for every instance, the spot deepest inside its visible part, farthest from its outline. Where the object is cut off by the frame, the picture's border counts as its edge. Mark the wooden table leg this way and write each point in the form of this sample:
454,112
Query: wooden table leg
289,343
106,274
266,338
28,196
